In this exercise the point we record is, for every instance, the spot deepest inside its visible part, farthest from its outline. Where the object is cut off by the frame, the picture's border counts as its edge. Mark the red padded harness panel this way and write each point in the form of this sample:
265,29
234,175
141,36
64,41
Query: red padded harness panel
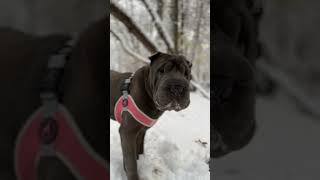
128,104
69,146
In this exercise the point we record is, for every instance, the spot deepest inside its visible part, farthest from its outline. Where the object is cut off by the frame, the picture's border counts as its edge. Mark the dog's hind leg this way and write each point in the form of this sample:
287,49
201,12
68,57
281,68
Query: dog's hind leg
140,143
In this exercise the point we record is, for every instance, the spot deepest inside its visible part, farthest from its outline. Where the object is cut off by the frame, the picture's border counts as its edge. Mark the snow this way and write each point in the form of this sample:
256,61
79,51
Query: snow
286,146
174,148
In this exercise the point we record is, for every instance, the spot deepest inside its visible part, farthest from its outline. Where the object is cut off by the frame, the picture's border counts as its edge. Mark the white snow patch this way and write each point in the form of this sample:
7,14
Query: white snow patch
173,148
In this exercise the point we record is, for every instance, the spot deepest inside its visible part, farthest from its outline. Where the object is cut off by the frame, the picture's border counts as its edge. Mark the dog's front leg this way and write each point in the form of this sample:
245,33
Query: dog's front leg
140,142
128,136
52,168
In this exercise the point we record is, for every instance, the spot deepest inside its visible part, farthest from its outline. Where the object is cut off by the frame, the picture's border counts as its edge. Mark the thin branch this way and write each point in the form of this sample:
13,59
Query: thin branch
120,14
201,89
196,36
283,80
127,49
175,19
165,36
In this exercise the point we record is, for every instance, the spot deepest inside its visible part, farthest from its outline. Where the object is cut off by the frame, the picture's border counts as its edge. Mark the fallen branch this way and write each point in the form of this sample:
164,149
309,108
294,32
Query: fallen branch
128,50
201,89
284,81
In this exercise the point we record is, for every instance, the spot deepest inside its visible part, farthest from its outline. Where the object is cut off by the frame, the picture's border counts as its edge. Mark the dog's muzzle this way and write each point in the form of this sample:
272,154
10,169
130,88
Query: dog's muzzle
172,95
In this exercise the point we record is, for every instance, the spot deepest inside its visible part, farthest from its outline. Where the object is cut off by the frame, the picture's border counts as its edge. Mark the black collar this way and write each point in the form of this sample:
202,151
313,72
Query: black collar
125,86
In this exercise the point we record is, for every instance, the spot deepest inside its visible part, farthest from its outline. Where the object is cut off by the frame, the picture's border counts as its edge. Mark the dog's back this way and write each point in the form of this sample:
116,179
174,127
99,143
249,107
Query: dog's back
23,59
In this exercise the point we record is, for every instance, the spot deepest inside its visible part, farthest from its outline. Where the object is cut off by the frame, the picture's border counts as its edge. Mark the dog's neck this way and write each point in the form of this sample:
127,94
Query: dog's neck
86,85
147,105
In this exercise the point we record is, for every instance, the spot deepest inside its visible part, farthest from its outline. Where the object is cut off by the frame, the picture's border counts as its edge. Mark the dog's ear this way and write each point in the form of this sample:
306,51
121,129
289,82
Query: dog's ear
189,63
155,56
190,66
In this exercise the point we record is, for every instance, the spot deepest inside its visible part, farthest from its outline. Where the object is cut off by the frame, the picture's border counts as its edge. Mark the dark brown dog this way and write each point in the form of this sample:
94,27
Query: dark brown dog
23,62
233,124
235,50
162,85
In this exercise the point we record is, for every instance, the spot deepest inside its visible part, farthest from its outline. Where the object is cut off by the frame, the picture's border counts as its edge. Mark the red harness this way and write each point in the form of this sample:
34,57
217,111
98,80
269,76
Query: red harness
127,104
69,146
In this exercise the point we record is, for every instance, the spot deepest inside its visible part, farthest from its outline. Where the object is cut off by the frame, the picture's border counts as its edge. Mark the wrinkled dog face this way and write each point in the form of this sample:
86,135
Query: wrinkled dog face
169,79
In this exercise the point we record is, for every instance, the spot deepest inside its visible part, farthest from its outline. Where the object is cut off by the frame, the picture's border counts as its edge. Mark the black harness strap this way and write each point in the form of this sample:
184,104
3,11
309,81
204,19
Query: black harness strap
125,86
125,90
50,93
55,68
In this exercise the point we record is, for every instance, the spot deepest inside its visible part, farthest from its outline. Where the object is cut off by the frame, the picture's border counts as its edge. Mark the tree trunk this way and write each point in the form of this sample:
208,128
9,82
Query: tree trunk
160,8
196,37
175,21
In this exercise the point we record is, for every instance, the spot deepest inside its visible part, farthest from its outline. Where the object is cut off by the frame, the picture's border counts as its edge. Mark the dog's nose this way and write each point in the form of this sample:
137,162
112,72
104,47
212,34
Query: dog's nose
177,90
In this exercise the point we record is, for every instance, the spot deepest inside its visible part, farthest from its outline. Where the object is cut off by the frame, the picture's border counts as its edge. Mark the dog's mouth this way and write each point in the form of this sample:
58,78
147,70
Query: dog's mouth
173,105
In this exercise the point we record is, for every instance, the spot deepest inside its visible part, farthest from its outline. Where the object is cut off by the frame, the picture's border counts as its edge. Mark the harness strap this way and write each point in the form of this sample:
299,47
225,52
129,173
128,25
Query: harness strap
55,68
50,93
127,103
69,146
52,132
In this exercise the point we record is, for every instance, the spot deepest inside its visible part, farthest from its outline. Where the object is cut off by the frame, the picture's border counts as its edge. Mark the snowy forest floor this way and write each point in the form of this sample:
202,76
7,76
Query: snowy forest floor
286,146
174,148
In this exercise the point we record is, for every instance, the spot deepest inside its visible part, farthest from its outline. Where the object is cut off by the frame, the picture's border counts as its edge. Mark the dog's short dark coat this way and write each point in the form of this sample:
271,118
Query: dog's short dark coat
239,20
233,81
235,48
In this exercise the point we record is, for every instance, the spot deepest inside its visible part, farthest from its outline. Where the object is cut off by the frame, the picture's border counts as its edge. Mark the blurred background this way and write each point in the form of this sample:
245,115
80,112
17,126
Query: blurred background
286,145
47,16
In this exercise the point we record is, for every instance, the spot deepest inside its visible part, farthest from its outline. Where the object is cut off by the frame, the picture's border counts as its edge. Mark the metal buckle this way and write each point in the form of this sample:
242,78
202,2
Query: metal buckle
125,100
48,130
49,127
57,61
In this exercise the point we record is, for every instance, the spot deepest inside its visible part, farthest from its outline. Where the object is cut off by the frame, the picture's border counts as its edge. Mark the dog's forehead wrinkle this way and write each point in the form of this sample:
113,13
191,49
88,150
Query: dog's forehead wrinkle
180,64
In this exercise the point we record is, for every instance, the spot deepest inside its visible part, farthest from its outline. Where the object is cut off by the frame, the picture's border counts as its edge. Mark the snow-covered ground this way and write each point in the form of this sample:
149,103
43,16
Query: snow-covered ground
286,146
174,148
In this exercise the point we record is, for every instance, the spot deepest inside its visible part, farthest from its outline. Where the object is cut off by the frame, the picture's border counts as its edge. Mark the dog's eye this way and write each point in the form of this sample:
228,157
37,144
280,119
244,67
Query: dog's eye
161,71
186,74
